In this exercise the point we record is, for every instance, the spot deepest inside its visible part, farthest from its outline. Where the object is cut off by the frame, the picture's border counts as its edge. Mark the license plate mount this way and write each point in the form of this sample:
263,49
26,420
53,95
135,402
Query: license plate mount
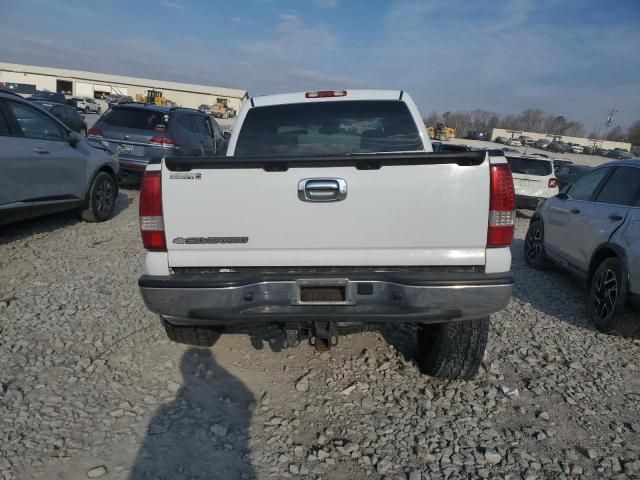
324,292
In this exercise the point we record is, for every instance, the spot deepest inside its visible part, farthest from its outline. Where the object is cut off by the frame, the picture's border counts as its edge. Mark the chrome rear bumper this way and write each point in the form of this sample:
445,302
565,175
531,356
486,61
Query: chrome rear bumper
198,300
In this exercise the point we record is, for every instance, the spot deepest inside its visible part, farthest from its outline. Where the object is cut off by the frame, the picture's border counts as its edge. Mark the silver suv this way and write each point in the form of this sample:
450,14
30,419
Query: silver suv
140,133
592,229
45,167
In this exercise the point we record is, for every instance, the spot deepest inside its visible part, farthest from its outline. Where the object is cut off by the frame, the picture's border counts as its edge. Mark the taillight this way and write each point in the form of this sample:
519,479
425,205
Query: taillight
164,141
95,132
326,93
502,207
151,222
553,182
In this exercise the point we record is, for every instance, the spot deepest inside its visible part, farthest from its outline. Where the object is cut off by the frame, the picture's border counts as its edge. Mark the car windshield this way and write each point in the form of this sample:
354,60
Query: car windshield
530,166
138,118
333,127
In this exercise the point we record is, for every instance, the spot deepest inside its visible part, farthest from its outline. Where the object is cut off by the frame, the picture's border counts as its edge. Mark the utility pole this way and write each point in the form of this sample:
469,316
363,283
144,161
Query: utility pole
609,122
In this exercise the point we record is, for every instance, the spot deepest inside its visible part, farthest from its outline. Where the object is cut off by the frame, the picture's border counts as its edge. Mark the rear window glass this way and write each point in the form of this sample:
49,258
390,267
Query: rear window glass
530,166
321,128
136,118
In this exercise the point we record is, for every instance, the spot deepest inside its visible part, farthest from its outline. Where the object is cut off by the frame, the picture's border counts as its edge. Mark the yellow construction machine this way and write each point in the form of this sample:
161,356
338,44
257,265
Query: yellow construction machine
153,97
441,132
221,109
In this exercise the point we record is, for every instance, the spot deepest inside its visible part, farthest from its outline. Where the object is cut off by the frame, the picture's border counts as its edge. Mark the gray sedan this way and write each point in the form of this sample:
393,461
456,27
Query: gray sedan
593,230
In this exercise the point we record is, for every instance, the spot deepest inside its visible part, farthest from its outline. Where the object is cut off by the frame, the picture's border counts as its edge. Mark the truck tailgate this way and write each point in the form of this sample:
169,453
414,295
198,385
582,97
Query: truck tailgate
408,209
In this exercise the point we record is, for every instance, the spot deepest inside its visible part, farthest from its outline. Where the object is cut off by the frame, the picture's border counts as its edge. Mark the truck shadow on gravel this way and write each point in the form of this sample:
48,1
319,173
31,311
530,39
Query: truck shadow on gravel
50,223
204,433
553,292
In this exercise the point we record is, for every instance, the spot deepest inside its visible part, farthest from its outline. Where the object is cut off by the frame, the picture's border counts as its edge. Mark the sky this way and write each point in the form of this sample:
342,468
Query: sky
577,58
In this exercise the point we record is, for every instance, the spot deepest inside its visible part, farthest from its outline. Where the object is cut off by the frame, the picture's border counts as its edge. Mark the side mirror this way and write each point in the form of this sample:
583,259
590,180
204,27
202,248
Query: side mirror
226,135
73,138
563,195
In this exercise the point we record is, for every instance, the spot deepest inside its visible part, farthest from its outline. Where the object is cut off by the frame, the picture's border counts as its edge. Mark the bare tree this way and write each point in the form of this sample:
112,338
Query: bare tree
432,119
575,129
633,134
615,134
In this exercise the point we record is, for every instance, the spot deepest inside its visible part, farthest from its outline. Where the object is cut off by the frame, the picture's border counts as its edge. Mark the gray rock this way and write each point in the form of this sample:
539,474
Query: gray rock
97,472
493,457
302,385
219,430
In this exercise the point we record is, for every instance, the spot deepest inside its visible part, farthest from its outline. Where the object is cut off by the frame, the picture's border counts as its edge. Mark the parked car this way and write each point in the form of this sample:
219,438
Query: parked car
591,230
533,178
576,148
557,162
588,150
525,140
86,105
567,174
603,152
51,97
244,248
501,140
559,147
620,154
46,167
477,135
114,99
542,143
514,142
142,132
66,114
205,109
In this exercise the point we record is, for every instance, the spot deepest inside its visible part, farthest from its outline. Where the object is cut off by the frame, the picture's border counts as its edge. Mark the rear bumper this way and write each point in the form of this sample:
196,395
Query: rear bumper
133,165
528,202
374,297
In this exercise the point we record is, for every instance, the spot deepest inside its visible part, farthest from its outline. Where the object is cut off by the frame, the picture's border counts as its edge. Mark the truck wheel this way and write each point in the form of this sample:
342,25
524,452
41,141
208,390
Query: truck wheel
534,247
198,336
608,300
452,350
101,199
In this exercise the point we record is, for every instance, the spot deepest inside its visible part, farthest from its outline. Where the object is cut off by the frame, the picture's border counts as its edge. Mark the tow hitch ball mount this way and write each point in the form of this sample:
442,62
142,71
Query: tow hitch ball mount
321,335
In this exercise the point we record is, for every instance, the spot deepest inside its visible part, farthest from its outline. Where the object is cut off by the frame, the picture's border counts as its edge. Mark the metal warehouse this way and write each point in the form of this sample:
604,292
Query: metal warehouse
26,79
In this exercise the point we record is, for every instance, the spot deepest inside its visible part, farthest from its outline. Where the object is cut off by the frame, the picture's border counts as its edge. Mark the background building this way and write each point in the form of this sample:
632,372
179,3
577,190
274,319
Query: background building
26,79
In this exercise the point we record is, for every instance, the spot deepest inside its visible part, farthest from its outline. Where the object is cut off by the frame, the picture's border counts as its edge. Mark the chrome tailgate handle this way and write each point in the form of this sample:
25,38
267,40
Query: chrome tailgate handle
322,189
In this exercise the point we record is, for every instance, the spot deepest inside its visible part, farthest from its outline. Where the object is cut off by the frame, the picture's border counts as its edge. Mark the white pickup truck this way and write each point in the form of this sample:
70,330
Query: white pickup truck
331,210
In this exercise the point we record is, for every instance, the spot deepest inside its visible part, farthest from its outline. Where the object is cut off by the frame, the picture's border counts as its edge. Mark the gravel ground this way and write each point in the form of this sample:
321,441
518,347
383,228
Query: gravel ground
91,388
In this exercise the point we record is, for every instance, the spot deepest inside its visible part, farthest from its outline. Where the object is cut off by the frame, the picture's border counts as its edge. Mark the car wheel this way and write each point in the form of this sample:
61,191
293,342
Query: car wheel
86,109
101,199
197,336
534,247
452,350
99,110
608,300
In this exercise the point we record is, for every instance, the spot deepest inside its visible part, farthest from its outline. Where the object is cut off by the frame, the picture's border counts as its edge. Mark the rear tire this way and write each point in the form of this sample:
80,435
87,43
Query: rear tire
101,199
608,304
452,350
534,247
197,336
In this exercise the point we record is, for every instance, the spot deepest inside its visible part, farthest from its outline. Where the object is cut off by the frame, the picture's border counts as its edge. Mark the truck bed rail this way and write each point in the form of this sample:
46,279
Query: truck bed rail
359,161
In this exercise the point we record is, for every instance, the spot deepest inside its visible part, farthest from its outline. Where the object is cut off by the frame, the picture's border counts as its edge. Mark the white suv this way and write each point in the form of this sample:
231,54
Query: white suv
533,179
